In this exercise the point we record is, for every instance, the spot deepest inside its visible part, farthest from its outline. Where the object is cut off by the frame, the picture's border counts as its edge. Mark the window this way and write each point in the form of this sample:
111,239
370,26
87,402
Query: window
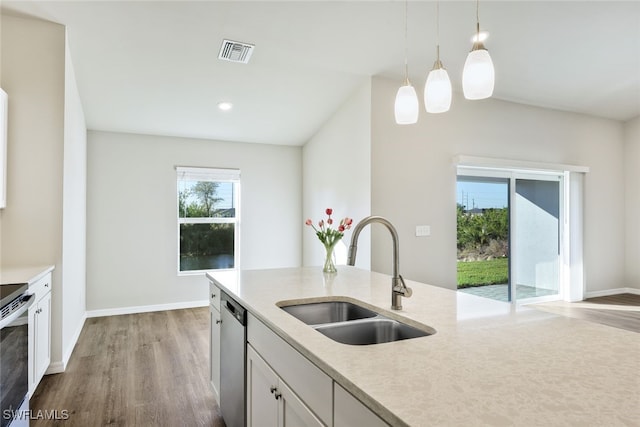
208,218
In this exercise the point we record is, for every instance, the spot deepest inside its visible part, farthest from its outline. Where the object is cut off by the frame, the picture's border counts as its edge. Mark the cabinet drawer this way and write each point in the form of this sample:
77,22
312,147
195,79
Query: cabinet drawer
41,286
313,387
214,295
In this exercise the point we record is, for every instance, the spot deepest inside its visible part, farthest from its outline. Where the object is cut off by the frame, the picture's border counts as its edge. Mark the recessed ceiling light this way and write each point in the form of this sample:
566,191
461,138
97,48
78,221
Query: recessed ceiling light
225,106
483,35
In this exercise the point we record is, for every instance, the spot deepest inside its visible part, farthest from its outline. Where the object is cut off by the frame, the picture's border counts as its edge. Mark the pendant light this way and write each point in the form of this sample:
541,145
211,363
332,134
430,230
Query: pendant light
437,90
478,75
406,105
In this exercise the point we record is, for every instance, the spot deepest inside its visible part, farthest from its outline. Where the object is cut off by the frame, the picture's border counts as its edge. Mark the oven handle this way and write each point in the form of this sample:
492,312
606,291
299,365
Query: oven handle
26,303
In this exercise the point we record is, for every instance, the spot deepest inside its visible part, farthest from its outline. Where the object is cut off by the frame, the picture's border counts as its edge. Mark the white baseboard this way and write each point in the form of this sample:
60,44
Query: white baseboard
146,308
56,367
608,292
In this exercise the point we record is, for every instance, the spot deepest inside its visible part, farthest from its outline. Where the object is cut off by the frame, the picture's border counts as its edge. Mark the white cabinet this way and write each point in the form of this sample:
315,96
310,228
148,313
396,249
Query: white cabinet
349,411
310,384
262,408
270,402
214,342
39,331
3,148
42,341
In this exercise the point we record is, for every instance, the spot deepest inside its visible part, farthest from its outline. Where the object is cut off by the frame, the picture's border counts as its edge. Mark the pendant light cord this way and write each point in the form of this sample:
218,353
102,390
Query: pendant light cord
438,31
478,21
406,44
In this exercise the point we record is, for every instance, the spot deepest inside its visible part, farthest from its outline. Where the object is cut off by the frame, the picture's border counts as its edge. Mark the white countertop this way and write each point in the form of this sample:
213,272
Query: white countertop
23,275
488,363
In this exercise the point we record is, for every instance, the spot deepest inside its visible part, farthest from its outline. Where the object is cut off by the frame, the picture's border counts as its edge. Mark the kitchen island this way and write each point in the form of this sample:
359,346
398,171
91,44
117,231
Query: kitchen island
489,363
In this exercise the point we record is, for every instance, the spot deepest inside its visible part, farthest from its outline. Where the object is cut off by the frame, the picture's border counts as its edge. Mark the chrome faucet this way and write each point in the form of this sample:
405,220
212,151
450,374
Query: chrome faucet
398,287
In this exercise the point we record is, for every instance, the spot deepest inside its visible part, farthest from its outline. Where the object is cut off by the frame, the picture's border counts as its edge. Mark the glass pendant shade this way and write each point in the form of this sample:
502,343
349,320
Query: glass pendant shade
406,107
437,90
478,75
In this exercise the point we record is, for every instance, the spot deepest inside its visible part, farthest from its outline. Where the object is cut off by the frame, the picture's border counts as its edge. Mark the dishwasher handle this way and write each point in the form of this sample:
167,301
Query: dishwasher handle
235,309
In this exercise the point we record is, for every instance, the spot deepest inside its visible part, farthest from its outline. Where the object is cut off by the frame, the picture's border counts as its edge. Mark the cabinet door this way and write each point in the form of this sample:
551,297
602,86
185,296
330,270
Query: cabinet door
32,346
349,411
292,412
262,389
4,108
42,337
214,351
311,385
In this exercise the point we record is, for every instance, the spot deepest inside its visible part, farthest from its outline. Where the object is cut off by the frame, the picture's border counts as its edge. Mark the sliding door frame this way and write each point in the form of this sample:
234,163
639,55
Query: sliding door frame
513,242
513,174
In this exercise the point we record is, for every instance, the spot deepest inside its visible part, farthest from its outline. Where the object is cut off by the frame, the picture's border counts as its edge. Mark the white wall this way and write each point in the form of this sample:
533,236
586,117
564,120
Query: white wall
74,213
33,75
132,222
44,222
632,199
414,178
337,174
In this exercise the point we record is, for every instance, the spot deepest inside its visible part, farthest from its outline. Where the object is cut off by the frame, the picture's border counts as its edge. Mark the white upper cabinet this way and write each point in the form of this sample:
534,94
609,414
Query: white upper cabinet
4,107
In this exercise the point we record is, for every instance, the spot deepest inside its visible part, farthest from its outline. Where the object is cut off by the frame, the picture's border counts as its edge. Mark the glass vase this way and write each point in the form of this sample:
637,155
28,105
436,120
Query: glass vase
329,259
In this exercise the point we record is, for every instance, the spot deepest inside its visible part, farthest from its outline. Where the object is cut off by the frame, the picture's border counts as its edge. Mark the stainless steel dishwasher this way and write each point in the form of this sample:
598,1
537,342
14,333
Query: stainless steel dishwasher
233,345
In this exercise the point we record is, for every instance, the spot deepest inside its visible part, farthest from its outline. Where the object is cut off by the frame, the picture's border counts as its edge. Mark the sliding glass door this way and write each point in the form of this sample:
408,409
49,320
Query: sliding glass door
535,239
483,236
509,234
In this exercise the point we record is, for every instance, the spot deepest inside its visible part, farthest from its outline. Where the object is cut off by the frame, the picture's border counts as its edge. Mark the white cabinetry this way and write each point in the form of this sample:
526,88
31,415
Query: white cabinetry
283,387
270,402
349,411
214,342
302,393
3,148
39,331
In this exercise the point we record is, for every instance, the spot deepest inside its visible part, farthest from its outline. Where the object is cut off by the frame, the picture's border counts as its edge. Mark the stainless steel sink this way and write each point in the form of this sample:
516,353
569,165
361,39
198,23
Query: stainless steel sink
328,312
350,323
370,331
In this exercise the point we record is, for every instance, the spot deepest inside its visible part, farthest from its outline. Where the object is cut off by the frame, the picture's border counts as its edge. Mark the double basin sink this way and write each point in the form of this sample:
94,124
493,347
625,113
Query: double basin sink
350,323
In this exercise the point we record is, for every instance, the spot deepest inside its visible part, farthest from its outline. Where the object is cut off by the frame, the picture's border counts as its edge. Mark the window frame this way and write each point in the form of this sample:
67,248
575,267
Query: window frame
209,174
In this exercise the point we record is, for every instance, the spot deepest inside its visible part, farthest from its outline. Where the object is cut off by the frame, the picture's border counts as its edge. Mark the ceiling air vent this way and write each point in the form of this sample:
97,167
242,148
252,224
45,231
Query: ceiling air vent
235,51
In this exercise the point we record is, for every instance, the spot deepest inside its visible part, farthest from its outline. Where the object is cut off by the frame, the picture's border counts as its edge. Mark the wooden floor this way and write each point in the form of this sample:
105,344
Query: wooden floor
147,369
620,311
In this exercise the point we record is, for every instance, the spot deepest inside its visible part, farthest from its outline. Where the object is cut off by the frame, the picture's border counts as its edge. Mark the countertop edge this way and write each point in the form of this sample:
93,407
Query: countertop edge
24,275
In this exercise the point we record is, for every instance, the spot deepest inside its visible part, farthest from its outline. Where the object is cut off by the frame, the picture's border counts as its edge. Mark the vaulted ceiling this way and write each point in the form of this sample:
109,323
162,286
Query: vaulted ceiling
151,66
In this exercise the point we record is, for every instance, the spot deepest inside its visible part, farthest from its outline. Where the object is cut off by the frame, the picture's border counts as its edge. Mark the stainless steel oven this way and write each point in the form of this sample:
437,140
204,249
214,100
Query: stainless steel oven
14,355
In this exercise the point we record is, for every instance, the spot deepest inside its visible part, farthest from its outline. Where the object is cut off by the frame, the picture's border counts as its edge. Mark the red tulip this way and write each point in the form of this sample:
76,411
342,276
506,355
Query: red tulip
341,228
308,222
329,221
329,211
321,223
348,221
